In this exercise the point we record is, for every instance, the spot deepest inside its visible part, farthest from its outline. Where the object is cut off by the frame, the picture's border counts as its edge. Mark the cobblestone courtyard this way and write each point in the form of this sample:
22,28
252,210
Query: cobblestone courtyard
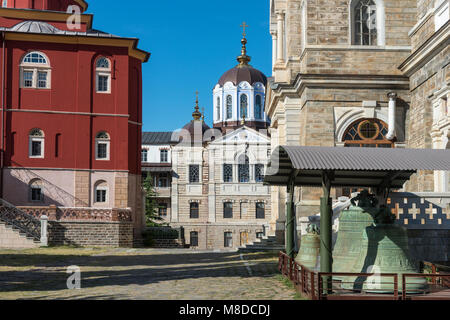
141,274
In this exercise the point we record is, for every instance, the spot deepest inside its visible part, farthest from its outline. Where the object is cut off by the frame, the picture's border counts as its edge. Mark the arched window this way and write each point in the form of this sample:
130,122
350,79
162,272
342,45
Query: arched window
218,109
244,106
36,144
258,107
102,146
103,75
370,133
36,191
101,192
244,168
365,22
35,71
229,107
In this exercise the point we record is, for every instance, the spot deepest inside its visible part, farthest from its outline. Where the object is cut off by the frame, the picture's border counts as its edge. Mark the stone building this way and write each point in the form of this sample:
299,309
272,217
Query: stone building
361,73
217,193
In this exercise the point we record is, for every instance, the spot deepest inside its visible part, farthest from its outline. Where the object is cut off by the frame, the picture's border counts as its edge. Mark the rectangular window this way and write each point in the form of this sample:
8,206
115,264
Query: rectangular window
100,196
28,79
144,155
36,148
42,80
194,210
102,83
162,210
259,173
162,182
228,240
194,173
102,150
244,173
259,235
228,210
164,156
194,239
227,173
36,194
260,210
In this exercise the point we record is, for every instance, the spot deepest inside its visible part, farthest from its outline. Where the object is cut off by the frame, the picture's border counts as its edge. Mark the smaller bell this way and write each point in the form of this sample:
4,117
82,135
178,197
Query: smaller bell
309,254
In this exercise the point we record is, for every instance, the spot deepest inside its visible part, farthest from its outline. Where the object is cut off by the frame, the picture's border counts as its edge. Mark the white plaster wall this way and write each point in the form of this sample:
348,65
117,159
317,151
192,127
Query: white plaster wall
154,154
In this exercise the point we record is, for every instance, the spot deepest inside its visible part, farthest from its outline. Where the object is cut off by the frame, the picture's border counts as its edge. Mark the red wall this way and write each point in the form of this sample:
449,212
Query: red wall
73,91
53,5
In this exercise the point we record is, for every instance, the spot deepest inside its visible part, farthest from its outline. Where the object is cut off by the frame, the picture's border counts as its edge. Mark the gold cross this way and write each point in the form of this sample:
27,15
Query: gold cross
244,25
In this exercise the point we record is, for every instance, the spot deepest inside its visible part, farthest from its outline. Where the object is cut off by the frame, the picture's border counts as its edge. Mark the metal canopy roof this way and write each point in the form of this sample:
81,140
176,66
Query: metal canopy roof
352,167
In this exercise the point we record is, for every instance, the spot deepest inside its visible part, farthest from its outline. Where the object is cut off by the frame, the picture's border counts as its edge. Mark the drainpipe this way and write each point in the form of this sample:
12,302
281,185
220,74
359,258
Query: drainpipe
392,115
2,157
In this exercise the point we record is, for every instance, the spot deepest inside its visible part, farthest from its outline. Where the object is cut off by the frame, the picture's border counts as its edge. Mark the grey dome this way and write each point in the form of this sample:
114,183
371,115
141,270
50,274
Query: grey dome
243,73
35,27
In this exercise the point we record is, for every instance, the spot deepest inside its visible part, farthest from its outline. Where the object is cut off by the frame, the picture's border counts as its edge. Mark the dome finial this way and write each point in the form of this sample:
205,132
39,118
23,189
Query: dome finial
244,59
196,114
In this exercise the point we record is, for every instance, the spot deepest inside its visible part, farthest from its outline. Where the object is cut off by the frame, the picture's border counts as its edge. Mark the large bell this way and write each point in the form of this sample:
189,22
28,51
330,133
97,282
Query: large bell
352,223
309,254
384,250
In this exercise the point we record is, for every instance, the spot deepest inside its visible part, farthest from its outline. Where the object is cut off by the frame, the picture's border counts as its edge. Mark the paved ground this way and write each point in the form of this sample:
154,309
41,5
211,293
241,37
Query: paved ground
141,274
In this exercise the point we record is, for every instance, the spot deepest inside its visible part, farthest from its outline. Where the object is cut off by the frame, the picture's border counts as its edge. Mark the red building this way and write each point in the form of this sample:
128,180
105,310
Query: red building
71,110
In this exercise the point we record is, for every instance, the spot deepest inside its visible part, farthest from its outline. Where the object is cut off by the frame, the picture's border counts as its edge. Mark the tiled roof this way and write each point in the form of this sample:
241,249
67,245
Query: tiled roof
157,138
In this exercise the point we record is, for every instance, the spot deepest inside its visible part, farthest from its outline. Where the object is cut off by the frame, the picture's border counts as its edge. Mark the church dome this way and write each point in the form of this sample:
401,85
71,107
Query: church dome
35,27
243,73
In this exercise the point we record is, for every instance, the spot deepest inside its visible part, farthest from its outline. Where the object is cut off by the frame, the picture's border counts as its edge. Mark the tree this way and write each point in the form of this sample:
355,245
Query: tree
151,206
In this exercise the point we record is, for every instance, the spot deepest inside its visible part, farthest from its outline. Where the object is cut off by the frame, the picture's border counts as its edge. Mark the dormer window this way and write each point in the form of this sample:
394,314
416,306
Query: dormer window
103,72
35,71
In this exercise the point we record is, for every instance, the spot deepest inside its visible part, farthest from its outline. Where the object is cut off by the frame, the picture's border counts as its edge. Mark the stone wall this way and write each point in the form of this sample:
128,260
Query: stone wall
91,234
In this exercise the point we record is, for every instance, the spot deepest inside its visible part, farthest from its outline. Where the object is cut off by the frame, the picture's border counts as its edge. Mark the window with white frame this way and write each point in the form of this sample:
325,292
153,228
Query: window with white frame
227,173
243,169
258,107
194,173
103,75
259,172
35,71
36,191
218,109
102,146
144,155
229,107
364,22
36,143
244,106
101,192
164,155
5,3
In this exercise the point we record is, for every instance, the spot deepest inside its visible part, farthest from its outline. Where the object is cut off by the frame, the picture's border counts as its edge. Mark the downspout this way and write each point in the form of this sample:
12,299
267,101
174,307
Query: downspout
392,115
2,160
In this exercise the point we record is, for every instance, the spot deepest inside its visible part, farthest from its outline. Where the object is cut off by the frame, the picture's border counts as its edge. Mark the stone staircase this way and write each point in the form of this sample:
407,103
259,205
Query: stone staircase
266,244
18,230
13,238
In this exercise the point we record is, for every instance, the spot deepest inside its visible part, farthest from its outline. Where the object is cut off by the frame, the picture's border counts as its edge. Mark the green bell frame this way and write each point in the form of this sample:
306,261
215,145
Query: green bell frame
384,250
309,253
352,223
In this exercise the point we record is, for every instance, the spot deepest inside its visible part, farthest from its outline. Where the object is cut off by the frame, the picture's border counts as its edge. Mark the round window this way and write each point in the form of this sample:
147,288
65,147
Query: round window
368,130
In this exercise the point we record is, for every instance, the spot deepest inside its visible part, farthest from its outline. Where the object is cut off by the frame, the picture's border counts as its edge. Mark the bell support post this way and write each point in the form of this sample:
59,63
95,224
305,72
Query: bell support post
326,255
290,216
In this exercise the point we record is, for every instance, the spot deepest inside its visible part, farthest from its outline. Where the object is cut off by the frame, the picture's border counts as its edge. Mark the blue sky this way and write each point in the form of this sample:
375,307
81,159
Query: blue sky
192,44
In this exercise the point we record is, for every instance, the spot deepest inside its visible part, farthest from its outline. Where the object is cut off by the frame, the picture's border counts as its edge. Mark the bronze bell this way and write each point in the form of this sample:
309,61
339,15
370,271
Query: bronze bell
309,254
352,223
384,250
